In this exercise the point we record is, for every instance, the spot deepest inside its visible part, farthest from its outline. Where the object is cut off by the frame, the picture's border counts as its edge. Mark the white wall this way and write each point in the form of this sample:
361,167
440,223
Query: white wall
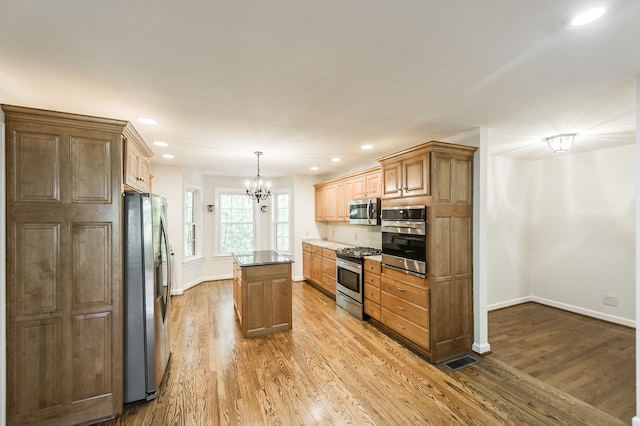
508,210
168,182
582,232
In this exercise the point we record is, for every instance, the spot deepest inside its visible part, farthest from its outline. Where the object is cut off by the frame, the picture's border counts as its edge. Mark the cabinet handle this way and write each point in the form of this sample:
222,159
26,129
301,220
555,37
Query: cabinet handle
401,326
401,308
401,289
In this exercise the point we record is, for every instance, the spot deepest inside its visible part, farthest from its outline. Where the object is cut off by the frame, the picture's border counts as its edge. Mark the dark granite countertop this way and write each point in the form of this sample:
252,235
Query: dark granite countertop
261,257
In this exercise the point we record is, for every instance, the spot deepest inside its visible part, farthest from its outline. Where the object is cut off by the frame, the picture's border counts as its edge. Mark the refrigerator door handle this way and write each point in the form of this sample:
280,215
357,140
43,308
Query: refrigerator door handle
165,300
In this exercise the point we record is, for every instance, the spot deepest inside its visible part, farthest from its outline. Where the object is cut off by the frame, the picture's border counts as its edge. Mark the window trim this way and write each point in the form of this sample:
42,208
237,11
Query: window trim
198,220
274,236
228,191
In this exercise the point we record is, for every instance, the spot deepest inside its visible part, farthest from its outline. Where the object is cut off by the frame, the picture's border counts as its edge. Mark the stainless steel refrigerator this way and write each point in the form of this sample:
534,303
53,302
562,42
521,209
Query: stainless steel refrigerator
147,295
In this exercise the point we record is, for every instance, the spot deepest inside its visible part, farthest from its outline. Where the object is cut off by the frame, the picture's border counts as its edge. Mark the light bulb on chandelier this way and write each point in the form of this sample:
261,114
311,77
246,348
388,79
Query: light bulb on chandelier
258,190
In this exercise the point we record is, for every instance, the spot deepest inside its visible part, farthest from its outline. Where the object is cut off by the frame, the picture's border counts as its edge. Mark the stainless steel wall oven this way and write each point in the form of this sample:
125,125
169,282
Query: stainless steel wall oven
404,238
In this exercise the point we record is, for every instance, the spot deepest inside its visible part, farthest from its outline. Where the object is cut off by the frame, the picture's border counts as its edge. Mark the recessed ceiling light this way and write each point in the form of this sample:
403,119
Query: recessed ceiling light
313,168
167,156
366,146
146,120
336,159
160,143
587,16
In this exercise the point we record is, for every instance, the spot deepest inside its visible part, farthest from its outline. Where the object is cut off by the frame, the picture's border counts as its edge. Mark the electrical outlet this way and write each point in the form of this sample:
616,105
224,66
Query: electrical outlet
610,300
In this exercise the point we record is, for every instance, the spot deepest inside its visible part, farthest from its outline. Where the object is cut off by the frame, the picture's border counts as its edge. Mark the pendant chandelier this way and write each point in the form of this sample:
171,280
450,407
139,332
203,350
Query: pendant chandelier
257,190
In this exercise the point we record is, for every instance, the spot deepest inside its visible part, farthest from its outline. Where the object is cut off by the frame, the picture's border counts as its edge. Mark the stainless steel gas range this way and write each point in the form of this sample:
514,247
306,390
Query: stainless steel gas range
349,278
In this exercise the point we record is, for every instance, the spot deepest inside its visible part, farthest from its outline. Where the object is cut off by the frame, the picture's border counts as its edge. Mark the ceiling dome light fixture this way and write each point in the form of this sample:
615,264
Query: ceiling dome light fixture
366,146
560,143
160,143
587,16
258,191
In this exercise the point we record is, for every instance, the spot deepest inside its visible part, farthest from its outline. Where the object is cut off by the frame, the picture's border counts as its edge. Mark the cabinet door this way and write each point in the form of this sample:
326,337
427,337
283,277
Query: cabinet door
392,180
64,274
306,264
144,174
132,160
281,303
320,204
415,176
331,203
373,185
359,188
316,269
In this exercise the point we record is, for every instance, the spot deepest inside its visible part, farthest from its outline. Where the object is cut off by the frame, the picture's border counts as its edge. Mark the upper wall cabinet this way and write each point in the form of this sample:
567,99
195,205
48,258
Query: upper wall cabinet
137,171
406,174
332,197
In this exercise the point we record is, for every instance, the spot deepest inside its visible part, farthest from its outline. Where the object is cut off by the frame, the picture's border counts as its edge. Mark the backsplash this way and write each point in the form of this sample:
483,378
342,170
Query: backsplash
356,235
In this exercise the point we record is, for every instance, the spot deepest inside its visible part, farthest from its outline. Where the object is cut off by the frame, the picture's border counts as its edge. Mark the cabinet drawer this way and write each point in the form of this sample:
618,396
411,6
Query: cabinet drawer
329,282
306,247
404,309
411,293
329,254
329,267
405,277
405,328
316,250
372,266
371,280
372,309
372,293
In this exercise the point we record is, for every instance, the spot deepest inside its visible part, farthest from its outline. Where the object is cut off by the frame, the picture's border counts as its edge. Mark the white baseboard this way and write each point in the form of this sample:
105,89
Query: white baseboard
566,307
586,312
180,291
508,303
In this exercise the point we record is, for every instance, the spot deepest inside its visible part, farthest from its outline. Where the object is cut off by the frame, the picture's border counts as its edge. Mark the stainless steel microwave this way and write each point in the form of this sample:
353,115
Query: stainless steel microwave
364,212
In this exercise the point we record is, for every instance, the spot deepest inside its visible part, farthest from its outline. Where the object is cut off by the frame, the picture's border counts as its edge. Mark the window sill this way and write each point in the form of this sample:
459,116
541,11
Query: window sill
194,259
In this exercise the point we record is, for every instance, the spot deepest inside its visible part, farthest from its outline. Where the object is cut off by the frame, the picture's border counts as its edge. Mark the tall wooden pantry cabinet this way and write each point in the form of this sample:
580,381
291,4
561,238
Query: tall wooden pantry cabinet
64,178
433,314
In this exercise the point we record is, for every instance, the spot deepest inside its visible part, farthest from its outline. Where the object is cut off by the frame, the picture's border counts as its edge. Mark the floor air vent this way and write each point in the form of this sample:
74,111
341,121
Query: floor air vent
461,362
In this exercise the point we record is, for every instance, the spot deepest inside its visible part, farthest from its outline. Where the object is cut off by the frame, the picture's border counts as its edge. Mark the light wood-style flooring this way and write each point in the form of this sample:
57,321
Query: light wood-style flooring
332,369
590,359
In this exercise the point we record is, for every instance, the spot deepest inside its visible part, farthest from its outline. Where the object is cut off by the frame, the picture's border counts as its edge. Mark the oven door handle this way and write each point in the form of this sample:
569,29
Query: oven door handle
407,230
349,266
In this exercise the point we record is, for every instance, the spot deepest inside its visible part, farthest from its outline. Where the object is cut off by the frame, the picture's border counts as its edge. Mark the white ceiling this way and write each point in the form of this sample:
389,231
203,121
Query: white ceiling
306,80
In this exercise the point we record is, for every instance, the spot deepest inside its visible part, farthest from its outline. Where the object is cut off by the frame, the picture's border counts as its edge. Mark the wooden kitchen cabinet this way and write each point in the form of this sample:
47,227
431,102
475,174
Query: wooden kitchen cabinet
264,297
329,270
332,198
367,185
64,266
137,168
405,175
306,260
434,314
372,270
320,264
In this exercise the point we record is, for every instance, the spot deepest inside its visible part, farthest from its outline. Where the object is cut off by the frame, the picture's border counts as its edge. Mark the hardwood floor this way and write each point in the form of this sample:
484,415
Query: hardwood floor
331,369
590,359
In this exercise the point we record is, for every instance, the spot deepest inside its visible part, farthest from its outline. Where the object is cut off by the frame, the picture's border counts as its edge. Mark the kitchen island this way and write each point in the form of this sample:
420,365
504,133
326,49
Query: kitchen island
262,292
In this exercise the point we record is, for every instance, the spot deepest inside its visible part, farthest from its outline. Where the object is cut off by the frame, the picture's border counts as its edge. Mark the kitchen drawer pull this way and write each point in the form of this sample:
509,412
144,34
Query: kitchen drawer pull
401,308
401,289
401,326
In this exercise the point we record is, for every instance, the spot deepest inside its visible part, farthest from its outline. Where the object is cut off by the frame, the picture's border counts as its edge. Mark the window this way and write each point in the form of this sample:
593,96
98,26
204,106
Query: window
281,222
236,231
190,222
